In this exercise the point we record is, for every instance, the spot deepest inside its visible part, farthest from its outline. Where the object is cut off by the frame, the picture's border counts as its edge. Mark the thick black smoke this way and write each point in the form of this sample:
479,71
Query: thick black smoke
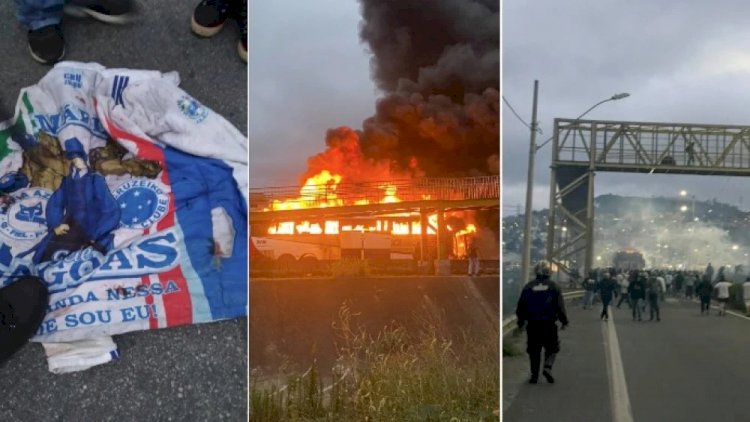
437,62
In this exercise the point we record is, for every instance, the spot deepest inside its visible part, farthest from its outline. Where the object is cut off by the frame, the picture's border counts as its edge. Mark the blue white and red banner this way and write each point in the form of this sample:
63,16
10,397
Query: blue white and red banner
128,197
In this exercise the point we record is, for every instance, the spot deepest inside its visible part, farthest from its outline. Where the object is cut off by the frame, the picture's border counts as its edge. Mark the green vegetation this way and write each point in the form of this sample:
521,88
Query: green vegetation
392,376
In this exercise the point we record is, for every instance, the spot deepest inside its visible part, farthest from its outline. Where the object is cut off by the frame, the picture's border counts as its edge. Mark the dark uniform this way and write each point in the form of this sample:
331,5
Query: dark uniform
637,293
653,290
607,288
541,304
704,290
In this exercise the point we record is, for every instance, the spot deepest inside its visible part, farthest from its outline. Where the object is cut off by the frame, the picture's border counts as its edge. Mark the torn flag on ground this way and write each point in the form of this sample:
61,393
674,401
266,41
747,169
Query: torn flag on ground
129,199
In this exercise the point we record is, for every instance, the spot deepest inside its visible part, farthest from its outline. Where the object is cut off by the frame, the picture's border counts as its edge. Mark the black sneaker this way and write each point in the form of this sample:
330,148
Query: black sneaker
47,44
107,11
548,376
23,305
534,379
209,17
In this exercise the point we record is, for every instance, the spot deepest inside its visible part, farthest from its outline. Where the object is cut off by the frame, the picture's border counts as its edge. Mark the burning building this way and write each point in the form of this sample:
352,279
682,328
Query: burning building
437,66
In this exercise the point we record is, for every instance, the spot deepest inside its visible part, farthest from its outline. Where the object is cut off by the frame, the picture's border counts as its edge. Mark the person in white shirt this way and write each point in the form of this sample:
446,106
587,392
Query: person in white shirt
669,279
722,288
663,286
746,295
623,282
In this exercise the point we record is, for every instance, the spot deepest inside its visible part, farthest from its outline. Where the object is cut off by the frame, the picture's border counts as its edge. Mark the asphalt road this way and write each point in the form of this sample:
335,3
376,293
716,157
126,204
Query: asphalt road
182,374
687,367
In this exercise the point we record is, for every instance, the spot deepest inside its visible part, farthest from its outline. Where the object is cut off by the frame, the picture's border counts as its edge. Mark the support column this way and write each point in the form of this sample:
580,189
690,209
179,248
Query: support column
589,264
442,265
440,235
423,255
590,203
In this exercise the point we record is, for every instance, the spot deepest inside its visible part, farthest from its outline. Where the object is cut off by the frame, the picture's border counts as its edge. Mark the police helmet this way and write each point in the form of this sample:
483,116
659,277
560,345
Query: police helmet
542,268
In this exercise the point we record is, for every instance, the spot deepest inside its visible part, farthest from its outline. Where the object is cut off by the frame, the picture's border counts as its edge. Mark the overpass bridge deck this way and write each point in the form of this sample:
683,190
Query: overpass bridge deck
374,198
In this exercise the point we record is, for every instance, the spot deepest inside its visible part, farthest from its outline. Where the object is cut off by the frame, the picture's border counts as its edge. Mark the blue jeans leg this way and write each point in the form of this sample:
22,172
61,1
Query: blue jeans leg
588,299
35,14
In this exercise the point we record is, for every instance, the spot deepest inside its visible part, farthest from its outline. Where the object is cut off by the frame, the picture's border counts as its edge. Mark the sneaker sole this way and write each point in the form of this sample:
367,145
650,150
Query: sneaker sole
42,61
242,52
82,12
205,31
549,378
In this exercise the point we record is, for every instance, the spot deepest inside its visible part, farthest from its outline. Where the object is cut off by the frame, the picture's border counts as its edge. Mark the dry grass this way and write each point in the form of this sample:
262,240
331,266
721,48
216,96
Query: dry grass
392,376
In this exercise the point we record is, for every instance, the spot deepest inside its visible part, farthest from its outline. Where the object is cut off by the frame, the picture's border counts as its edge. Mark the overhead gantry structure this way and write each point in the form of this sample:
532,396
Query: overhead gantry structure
583,147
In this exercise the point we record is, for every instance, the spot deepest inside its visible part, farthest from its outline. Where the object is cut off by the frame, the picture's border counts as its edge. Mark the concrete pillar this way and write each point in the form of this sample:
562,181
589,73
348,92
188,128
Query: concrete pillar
441,235
423,223
442,265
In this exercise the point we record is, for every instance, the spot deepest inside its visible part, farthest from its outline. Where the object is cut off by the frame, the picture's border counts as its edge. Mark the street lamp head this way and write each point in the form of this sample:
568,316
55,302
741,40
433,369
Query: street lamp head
620,96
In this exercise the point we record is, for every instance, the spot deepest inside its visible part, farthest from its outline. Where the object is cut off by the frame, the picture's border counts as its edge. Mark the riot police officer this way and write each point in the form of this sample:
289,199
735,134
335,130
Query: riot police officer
541,304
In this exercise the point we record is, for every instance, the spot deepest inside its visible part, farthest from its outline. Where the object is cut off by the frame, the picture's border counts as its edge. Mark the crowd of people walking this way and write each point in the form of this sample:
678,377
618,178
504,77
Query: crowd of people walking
640,288
542,305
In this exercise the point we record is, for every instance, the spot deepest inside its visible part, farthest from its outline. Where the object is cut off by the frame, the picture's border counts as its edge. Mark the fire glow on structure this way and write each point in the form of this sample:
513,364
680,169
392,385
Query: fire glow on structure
320,191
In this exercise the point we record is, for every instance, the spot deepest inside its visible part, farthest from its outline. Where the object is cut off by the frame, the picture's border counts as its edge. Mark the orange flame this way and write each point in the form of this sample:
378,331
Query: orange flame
318,191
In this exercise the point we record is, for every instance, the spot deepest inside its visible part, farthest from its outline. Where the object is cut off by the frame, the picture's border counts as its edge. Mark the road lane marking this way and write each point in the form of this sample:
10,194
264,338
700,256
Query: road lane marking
618,388
733,313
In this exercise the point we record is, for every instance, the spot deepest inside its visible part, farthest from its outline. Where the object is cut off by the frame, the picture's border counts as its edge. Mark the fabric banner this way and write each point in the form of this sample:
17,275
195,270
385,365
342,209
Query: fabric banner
128,197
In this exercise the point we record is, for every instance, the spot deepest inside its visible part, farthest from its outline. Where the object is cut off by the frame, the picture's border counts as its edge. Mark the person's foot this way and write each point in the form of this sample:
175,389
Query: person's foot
548,376
209,17
534,379
23,305
47,44
107,11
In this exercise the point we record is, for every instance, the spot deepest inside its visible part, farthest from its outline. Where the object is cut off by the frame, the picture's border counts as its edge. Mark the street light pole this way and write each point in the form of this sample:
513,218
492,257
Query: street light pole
533,148
526,255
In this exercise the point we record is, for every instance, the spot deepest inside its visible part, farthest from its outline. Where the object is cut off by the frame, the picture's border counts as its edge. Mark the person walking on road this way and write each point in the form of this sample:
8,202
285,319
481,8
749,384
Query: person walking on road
654,291
590,286
624,283
539,308
637,293
607,288
663,285
746,295
473,254
710,272
689,285
722,294
703,290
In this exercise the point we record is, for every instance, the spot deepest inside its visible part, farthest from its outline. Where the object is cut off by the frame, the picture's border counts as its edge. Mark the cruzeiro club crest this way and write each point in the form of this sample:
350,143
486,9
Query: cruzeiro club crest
22,216
192,109
142,203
